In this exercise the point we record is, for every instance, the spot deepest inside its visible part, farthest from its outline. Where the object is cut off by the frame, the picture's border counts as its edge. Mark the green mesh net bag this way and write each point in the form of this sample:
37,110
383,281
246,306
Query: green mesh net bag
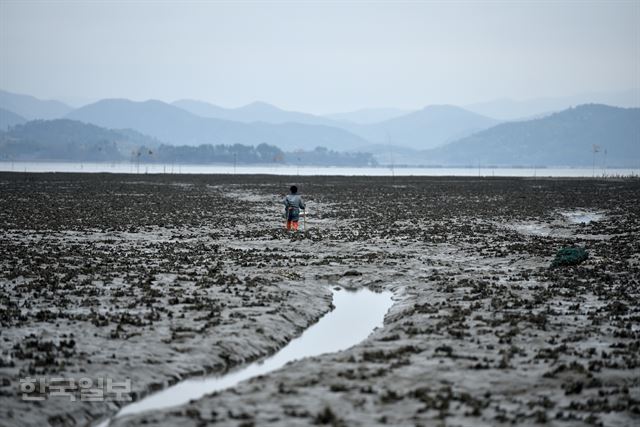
569,256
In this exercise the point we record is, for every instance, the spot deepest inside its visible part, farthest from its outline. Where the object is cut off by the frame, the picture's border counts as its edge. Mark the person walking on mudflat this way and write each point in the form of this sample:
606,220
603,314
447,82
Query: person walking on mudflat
293,204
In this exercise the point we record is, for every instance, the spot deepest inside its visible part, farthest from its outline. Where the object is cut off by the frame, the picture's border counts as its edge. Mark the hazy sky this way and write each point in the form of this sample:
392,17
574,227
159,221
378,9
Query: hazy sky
318,56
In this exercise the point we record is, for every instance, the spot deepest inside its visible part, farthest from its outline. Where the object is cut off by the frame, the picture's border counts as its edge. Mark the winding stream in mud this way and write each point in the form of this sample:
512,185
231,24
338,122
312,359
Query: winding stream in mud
355,316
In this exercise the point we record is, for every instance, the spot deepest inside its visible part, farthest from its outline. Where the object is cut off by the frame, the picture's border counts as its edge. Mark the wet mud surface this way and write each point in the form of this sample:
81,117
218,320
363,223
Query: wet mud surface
156,278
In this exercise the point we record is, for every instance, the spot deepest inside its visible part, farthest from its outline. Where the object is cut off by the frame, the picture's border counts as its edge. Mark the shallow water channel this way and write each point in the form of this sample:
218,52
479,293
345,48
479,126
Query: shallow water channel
355,316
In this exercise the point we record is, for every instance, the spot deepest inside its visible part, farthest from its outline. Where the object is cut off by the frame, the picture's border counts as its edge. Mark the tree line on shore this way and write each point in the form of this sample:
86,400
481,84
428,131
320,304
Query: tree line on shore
69,140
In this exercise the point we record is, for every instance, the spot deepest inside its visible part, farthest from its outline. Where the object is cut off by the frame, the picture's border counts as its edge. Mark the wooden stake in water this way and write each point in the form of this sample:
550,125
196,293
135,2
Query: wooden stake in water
596,148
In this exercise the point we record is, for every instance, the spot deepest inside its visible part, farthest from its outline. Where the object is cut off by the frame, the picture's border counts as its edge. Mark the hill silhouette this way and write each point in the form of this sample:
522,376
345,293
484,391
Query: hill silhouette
254,112
509,109
561,139
176,126
426,128
32,108
71,140
9,118
63,139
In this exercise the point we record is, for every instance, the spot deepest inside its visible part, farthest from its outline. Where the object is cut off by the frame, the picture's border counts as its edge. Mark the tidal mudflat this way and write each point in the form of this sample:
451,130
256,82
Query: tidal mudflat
157,278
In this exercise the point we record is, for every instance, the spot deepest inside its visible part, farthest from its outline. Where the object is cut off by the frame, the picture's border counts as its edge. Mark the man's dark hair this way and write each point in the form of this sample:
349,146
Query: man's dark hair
293,189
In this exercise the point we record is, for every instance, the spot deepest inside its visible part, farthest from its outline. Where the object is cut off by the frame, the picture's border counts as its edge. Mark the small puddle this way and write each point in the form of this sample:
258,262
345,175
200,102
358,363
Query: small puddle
582,217
562,227
355,316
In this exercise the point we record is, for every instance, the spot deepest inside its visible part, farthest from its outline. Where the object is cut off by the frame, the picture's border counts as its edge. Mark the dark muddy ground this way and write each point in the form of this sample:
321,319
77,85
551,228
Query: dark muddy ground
155,278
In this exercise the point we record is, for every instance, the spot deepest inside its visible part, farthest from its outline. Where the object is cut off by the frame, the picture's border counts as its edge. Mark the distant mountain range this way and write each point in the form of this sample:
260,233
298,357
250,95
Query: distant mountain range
423,129
509,109
426,128
437,134
32,108
179,127
566,138
70,140
254,112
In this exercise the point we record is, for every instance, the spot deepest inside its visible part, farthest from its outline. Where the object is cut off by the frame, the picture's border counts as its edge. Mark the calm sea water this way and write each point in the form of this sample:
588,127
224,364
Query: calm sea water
308,170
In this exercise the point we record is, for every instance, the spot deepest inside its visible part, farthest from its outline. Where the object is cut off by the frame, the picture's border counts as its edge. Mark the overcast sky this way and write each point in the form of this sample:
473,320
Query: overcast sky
318,56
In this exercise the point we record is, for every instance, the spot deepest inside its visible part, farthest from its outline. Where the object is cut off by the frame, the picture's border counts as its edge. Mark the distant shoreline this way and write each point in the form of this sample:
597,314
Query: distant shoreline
309,170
